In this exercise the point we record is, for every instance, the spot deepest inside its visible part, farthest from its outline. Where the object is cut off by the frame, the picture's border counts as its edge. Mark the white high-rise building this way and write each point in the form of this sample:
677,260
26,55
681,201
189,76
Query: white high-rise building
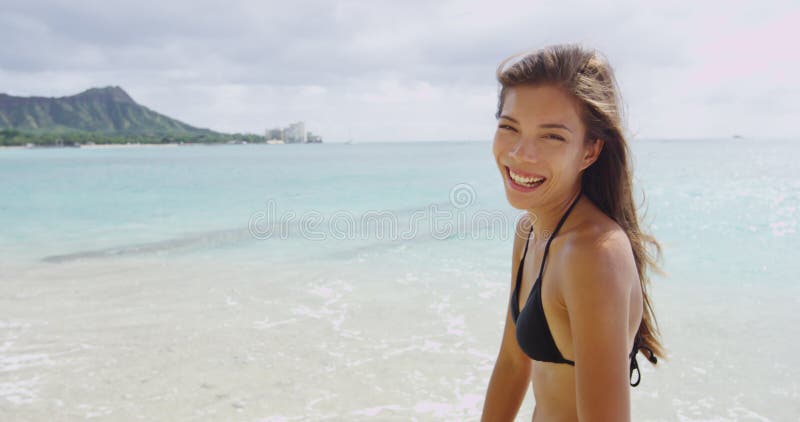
296,133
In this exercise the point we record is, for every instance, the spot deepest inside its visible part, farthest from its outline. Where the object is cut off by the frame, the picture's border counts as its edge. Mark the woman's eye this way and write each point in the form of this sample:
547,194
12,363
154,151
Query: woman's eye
550,136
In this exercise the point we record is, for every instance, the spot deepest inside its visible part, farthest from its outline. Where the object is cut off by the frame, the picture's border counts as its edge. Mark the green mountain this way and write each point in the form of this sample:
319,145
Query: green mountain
108,110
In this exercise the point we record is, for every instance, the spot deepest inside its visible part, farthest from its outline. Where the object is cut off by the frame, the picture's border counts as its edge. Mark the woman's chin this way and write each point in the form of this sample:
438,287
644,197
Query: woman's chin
515,201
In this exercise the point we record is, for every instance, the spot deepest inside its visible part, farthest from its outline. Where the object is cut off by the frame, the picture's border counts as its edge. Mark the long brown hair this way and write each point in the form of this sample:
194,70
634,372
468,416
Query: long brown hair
586,75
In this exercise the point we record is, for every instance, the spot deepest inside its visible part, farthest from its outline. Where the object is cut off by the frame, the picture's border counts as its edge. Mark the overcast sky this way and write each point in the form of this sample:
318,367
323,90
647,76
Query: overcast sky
406,70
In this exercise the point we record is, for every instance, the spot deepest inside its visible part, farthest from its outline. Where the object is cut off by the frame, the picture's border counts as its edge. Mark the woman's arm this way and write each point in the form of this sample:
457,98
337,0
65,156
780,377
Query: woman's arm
512,370
596,289
509,382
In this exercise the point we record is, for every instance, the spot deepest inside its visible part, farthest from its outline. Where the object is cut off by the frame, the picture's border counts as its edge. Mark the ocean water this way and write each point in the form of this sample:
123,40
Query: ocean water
363,281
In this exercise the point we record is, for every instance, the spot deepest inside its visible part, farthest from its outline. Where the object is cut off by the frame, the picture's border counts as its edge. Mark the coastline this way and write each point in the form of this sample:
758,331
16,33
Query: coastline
137,145
94,146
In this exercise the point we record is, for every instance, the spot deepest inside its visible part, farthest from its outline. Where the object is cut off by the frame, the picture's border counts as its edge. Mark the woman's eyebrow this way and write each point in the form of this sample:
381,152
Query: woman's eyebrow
503,116
555,126
543,125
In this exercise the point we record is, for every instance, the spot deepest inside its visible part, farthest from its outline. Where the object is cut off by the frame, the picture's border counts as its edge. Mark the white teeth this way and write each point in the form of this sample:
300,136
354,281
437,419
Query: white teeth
526,180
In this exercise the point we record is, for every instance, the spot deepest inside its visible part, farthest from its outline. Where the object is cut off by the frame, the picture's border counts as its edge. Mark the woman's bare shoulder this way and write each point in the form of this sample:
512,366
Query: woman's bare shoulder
596,241
595,230
597,248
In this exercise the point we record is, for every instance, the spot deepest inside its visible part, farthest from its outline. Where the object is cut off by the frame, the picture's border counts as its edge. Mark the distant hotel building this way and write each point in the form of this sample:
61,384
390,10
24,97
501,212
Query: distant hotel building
294,134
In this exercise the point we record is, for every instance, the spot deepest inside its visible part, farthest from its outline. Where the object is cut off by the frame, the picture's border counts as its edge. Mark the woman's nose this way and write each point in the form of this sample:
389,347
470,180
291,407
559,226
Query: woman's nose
524,151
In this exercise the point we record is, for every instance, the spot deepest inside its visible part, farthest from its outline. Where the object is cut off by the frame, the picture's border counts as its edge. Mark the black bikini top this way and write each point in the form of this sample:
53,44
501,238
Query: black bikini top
532,331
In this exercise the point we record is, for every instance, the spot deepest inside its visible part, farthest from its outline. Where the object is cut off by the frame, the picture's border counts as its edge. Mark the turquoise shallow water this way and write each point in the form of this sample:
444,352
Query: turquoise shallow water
726,208
725,211
69,200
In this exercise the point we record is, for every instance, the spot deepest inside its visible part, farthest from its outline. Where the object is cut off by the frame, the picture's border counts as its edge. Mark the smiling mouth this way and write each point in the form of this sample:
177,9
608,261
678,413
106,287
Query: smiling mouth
524,181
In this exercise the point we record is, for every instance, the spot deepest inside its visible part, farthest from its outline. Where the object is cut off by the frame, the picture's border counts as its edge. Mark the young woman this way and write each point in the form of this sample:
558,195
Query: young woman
578,310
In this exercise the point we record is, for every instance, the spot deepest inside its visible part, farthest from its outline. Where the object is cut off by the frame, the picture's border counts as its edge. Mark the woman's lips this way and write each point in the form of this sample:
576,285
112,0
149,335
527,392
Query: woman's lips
522,188
524,173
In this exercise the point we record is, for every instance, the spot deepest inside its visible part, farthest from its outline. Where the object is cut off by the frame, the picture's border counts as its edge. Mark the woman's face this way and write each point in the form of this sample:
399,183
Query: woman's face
538,145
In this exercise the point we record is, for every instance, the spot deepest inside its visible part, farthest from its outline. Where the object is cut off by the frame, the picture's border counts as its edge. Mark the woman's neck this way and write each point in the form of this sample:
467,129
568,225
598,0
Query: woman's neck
545,219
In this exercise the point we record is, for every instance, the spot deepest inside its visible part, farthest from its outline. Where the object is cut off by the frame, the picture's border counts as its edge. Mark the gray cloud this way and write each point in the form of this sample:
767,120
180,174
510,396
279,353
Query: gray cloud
381,70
